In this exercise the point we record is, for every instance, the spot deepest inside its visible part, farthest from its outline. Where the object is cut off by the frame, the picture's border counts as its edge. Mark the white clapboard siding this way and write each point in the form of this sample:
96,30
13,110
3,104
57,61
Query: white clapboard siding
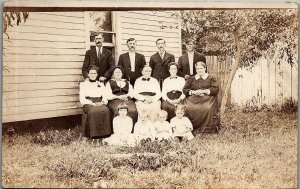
36,86
42,66
33,57
42,44
266,83
42,114
39,100
146,27
15,110
38,93
41,79
35,72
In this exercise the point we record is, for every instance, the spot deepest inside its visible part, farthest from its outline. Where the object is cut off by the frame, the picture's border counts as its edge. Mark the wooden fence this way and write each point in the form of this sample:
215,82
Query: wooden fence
267,83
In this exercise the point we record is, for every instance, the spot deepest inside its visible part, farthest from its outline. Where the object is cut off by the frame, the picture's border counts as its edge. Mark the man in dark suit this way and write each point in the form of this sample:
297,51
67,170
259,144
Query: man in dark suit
159,62
132,62
186,62
100,57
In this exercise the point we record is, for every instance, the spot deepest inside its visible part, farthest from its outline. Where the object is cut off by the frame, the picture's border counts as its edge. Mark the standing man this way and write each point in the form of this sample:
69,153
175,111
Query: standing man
100,57
159,62
132,62
186,62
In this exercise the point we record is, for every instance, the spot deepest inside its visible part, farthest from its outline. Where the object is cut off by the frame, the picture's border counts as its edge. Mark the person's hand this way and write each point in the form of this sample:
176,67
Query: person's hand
99,103
102,79
199,92
186,77
148,99
123,97
176,101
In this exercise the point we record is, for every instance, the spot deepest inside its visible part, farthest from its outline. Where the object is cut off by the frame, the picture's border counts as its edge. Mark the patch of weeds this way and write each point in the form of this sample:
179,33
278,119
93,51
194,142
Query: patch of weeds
289,106
64,137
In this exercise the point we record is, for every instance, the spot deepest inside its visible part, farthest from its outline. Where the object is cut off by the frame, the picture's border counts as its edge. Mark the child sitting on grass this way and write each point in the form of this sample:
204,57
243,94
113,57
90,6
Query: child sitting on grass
143,129
162,127
122,127
181,125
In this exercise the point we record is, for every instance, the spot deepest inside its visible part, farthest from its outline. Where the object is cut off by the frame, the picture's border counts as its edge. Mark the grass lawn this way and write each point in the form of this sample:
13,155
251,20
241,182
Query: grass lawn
252,150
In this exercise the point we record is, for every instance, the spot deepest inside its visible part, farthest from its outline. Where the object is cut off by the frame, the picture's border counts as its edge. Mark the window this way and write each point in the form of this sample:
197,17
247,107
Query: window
100,22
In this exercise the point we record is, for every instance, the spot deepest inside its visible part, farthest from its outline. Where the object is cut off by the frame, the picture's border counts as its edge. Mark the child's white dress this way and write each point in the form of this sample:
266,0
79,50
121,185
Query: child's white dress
162,130
122,136
144,131
181,125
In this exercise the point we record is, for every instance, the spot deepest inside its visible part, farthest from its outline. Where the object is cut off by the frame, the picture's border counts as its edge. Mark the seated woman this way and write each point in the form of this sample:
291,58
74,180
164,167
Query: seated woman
172,93
147,93
120,91
93,98
202,107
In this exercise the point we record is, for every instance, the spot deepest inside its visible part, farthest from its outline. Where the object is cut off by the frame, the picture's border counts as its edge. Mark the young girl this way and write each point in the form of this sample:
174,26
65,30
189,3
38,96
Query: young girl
181,125
143,128
122,127
162,127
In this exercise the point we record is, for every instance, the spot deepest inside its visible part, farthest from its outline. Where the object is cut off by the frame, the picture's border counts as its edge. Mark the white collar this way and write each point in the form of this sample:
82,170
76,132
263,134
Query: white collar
97,48
203,77
190,52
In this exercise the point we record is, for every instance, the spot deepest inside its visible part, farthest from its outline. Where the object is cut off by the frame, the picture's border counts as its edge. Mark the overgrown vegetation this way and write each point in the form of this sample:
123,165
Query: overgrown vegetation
252,150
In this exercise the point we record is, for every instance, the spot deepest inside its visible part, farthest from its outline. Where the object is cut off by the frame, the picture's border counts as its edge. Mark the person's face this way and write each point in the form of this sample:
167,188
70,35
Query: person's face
173,70
190,46
161,44
162,118
179,114
92,74
143,118
147,71
200,69
131,45
99,40
122,112
118,73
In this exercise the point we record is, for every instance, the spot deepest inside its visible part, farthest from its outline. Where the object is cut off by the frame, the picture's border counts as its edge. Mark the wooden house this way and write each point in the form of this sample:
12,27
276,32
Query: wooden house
42,58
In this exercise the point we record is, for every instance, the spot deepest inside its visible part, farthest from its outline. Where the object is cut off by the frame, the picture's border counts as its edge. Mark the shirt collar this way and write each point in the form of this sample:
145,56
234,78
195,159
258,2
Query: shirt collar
97,48
203,77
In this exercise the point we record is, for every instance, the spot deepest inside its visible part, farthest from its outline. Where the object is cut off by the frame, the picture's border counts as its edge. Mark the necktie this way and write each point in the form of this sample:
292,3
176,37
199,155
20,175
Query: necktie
145,79
99,54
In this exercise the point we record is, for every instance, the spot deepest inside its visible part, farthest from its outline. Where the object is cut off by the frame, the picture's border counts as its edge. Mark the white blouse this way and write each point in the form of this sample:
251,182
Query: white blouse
92,89
171,84
146,86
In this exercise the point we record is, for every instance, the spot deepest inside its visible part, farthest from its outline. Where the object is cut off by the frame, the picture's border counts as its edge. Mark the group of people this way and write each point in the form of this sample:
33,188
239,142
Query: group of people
134,100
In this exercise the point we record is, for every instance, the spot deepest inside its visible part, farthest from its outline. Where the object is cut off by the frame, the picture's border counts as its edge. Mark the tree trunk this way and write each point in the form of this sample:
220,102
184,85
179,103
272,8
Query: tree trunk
234,68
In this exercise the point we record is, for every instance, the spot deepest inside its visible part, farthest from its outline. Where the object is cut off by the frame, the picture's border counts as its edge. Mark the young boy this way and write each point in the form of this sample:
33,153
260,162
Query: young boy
162,127
181,125
143,128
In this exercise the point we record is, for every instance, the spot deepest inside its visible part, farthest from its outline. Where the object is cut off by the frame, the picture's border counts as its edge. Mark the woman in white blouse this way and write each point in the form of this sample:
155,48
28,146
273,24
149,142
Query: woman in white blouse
93,97
120,91
147,93
172,93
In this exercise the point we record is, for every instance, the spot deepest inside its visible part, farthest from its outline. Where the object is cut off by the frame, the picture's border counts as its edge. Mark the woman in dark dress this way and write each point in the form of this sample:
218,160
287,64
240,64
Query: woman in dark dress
120,91
92,96
201,102
172,93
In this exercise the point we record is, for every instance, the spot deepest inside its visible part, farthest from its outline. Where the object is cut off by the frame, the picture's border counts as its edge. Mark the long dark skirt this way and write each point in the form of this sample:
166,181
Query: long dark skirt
170,108
203,113
132,112
99,122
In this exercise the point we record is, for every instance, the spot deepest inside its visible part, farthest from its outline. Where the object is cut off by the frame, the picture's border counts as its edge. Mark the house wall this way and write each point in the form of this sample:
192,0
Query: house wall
42,66
146,27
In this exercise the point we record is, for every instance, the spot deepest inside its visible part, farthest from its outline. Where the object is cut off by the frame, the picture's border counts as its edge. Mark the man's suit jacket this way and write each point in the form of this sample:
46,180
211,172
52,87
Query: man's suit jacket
184,66
124,62
105,63
160,69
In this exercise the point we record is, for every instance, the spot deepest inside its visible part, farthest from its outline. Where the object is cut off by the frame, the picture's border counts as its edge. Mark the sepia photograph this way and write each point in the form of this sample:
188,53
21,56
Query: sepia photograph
99,94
